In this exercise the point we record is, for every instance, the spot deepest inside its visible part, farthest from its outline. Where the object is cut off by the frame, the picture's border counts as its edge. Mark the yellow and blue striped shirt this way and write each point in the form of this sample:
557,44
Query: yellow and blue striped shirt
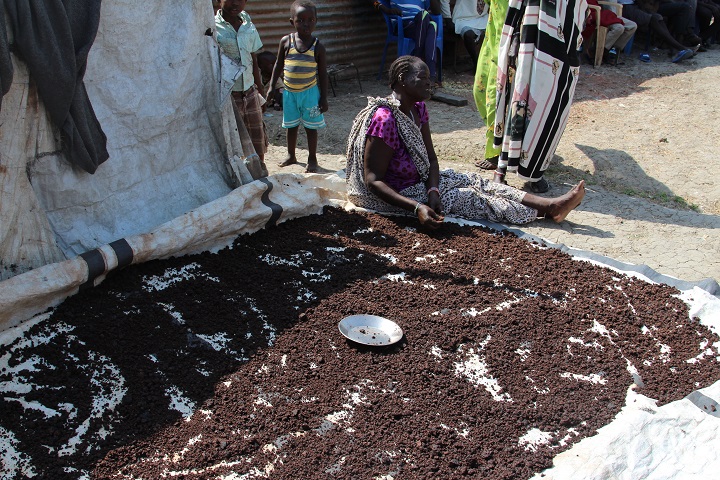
300,72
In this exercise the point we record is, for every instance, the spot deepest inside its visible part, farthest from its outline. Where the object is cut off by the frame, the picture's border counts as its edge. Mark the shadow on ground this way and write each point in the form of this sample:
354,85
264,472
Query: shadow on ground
616,172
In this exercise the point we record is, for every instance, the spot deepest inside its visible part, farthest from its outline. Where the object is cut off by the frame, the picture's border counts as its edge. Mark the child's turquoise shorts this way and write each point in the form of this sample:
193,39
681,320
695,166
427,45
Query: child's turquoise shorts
303,107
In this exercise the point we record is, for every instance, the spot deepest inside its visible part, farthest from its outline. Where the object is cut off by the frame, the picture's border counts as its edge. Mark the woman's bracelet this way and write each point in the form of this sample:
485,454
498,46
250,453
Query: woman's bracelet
416,208
433,189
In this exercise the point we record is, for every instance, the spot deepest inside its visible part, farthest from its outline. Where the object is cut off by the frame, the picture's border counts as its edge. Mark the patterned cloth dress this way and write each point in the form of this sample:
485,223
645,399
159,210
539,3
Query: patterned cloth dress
485,86
465,195
538,69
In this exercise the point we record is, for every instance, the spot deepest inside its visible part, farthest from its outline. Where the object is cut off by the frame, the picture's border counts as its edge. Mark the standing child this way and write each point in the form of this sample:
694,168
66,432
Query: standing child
301,58
239,39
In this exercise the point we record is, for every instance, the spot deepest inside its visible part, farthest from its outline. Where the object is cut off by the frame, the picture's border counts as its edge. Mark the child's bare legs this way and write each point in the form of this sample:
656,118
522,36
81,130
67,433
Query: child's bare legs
556,208
312,137
292,136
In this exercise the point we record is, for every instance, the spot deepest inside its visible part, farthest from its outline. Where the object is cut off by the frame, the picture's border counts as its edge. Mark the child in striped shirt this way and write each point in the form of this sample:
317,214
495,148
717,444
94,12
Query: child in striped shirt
301,59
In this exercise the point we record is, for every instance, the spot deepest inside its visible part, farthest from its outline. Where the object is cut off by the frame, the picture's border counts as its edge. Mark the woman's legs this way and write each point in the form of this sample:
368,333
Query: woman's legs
556,208
708,15
658,26
679,20
469,195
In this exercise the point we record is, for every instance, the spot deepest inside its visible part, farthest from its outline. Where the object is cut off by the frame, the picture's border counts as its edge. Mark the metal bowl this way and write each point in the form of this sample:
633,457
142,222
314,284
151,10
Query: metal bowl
370,330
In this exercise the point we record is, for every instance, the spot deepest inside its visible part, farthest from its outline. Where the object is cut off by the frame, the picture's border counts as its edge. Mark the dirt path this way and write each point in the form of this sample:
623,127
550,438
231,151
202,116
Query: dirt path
644,137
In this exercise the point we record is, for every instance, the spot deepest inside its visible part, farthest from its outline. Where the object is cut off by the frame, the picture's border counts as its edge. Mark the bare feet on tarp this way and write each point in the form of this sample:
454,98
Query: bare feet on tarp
312,165
565,204
290,160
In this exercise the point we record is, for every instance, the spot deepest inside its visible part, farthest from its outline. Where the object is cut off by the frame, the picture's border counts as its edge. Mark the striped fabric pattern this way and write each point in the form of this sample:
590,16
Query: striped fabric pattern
300,72
538,69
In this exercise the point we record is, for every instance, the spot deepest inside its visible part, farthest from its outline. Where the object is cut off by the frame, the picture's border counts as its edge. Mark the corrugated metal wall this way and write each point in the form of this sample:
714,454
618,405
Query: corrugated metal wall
351,30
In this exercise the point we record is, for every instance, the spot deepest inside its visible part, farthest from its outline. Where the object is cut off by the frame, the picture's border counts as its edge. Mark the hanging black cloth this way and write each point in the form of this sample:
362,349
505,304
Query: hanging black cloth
54,37
6,68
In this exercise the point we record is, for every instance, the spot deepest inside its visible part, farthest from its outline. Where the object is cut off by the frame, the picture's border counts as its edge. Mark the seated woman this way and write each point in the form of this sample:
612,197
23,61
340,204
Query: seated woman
418,25
392,166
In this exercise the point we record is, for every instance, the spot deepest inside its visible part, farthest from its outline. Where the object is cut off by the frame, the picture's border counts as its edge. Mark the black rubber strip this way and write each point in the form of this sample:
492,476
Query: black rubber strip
123,252
265,199
96,267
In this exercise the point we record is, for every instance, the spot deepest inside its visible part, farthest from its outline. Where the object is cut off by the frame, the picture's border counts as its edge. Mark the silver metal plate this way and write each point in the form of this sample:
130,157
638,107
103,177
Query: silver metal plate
370,329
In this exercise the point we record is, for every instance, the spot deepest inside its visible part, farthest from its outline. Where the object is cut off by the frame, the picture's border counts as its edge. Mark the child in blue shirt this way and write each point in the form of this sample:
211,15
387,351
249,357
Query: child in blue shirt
239,39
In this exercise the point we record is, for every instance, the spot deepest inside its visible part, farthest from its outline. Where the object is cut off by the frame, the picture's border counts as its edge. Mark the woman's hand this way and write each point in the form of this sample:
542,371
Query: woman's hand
428,217
435,203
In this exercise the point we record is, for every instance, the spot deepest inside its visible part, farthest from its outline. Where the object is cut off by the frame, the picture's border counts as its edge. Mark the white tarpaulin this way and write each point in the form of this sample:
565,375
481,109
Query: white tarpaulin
154,82
209,227
676,440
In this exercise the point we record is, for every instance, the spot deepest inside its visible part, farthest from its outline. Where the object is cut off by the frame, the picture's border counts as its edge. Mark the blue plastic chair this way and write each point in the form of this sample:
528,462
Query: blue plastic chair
394,35
439,44
405,46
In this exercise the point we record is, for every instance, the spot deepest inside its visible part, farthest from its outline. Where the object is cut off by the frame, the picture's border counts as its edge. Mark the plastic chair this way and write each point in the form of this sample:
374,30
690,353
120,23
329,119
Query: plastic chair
394,35
438,19
601,32
405,46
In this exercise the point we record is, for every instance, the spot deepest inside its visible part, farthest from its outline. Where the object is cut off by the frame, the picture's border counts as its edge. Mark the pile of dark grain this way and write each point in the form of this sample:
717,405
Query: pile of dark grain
503,339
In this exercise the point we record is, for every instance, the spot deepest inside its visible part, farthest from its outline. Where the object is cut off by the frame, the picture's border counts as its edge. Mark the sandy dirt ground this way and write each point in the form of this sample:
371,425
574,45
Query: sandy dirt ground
644,137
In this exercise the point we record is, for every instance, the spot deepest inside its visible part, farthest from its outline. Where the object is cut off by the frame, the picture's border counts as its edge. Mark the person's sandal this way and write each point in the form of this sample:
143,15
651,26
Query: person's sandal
682,55
487,163
541,186
610,57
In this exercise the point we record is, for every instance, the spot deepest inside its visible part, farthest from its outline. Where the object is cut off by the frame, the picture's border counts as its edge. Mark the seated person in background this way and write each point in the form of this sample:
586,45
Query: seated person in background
418,25
470,19
392,166
266,63
680,15
646,13
708,17
445,8
620,31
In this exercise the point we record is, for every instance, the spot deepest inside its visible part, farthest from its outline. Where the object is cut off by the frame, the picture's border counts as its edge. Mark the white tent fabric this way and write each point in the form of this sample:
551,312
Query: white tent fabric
154,81
209,227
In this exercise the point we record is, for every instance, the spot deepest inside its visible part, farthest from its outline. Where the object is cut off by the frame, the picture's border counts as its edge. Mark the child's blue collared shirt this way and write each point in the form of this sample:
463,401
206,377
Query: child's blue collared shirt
239,45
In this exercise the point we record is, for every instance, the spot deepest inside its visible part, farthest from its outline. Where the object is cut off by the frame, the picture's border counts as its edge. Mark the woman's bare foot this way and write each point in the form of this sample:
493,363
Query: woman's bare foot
563,205
312,165
290,160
